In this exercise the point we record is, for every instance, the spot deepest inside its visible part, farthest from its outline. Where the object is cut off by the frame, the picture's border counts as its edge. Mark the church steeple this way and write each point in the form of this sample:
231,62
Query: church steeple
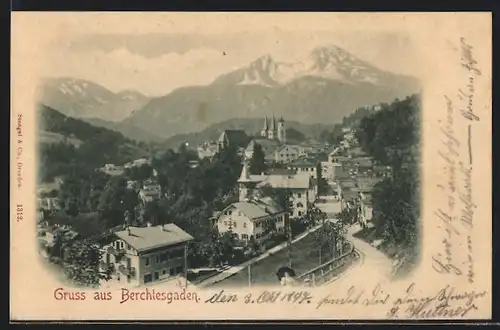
245,183
265,129
281,130
272,133
245,176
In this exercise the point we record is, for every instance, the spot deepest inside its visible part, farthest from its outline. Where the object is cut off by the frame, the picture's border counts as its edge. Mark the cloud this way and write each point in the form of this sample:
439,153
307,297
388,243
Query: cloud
156,64
120,69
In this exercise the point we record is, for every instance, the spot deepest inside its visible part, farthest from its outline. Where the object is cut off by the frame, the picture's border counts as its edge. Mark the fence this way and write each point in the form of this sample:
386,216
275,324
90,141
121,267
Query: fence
327,271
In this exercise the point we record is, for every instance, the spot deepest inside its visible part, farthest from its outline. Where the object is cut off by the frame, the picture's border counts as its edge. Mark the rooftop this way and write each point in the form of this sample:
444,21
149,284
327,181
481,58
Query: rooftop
148,238
303,163
234,137
259,208
268,146
296,181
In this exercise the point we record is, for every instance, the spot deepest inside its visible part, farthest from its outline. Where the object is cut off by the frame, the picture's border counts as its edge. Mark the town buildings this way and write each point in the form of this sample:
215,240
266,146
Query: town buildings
150,191
287,153
142,255
207,150
309,166
301,186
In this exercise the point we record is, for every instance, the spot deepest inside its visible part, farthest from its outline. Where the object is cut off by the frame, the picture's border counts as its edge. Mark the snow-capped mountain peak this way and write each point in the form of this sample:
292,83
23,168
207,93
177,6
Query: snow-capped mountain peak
329,62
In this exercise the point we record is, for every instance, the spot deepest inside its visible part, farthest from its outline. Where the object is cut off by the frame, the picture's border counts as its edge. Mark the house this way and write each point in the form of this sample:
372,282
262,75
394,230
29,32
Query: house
142,255
269,148
252,219
232,138
113,170
308,166
300,185
207,150
132,184
304,193
150,191
141,161
48,204
287,153
279,171
194,163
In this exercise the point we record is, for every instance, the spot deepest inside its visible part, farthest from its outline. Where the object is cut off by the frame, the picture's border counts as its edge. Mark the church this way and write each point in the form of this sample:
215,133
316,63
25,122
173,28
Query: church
272,137
274,132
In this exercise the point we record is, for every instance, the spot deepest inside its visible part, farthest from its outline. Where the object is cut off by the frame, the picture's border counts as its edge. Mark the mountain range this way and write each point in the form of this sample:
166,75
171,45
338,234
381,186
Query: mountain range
327,85
81,98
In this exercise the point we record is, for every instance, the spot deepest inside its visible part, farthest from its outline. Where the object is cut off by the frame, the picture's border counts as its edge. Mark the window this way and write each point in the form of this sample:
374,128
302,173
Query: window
299,195
225,223
128,246
239,213
229,212
163,272
300,205
157,258
312,169
244,224
244,236
148,278
172,271
108,258
128,278
146,261
234,224
300,213
157,275
129,262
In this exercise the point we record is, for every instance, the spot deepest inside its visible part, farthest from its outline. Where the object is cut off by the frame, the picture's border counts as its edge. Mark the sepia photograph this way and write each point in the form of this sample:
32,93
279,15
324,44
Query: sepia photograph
202,162
256,169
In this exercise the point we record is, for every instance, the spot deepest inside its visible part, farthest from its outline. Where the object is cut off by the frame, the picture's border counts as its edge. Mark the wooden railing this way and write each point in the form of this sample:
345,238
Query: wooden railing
327,271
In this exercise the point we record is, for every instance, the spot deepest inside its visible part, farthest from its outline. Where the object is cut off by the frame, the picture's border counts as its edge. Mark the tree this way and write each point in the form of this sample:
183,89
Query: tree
81,264
391,136
295,135
258,160
224,248
269,227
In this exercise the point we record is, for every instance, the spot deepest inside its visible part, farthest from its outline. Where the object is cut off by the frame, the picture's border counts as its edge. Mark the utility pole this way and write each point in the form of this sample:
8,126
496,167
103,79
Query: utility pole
185,265
249,275
289,242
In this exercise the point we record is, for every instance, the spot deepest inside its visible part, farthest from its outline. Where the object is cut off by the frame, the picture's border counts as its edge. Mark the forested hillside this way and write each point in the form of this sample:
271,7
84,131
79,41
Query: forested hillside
392,137
97,145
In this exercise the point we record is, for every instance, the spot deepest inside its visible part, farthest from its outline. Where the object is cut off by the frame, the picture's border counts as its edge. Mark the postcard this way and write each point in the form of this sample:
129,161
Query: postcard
250,166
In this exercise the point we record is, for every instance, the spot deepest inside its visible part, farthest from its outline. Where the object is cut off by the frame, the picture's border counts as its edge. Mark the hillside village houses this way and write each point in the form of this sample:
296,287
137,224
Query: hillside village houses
150,191
207,150
142,255
287,153
304,192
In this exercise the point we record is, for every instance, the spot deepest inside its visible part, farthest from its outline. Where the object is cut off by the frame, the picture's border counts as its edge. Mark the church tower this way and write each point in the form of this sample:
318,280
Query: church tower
281,130
265,129
272,134
244,183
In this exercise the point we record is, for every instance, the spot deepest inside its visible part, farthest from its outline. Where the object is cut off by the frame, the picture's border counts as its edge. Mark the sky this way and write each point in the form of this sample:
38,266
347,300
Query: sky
193,50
